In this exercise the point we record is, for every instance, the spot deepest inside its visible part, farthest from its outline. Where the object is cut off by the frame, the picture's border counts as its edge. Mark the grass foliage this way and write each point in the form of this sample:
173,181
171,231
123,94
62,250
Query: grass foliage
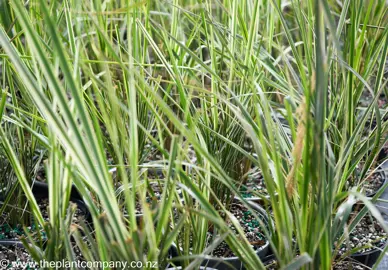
93,90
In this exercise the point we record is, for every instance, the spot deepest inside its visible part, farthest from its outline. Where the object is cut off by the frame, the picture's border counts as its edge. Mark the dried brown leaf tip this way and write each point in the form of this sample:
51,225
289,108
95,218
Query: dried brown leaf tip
301,116
74,227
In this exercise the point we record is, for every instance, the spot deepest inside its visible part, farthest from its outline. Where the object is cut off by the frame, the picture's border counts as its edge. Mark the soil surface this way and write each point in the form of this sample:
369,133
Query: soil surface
349,265
370,184
19,258
373,183
367,98
250,225
271,264
15,254
255,186
367,235
342,265
15,232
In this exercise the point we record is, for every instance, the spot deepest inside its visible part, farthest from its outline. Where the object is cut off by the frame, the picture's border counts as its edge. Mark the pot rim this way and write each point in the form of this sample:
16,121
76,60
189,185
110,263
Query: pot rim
13,242
375,249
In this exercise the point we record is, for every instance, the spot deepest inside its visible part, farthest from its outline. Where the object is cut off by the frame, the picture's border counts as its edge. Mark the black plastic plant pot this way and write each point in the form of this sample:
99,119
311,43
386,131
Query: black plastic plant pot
269,258
359,205
384,173
368,258
371,195
226,263
270,261
11,243
256,199
40,191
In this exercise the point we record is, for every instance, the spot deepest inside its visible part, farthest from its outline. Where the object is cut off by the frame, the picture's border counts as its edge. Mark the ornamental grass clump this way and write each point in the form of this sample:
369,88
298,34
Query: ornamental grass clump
121,97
